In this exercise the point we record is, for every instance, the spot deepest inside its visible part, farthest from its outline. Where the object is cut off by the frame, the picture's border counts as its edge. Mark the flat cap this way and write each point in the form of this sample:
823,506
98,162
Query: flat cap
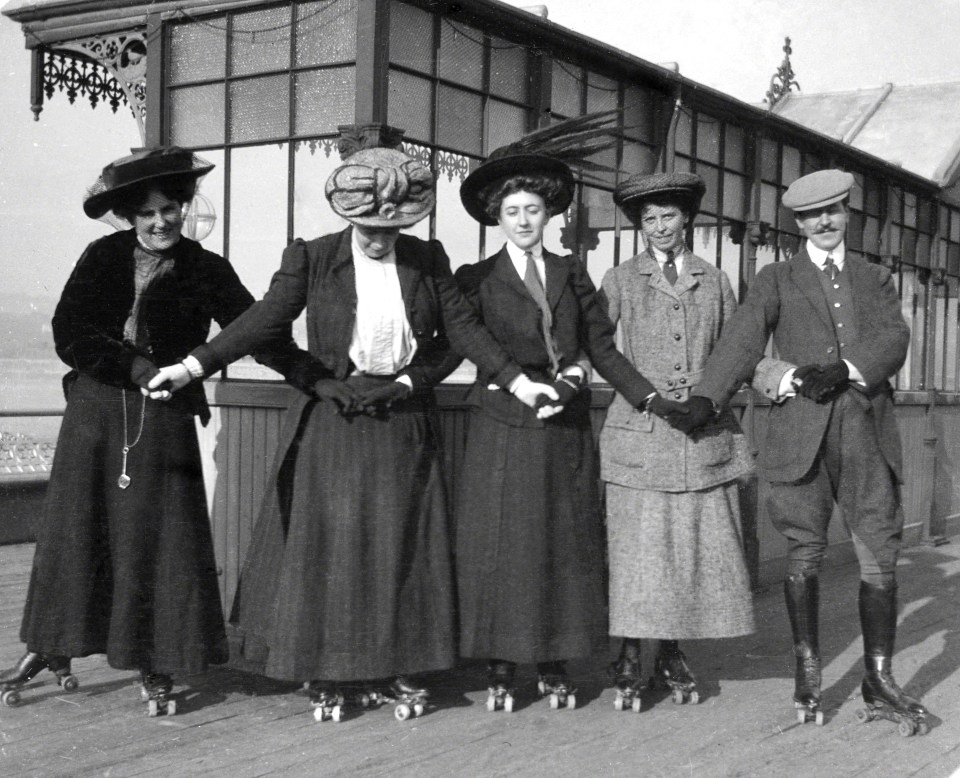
688,187
818,189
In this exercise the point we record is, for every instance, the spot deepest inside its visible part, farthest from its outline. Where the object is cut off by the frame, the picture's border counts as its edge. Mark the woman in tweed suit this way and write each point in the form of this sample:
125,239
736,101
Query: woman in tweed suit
673,523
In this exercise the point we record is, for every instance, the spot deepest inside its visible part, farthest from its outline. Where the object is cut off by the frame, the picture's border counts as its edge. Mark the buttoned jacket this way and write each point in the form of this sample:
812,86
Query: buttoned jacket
786,301
667,331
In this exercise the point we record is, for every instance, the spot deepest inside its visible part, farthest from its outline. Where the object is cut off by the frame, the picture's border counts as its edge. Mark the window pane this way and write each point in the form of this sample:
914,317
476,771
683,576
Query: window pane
505,124
769,203
730,259
602,93
411,37
734,149
791,165
565,91
326,32
710,198
314,162
734,194
708,138
597,235
197,115
637,158
461,54
455,228
197,51
639,113
684,141
260,41
509,73
324,99
211,188
909,209
871,235
768,160
411,105
461,120
856,194
260,108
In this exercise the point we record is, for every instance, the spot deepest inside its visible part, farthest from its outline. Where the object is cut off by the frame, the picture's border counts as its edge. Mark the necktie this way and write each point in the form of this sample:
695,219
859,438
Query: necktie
830,268
531,279
670,269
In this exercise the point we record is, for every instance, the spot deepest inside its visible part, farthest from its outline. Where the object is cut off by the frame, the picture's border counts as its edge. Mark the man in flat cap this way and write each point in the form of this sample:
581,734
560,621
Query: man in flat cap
831,436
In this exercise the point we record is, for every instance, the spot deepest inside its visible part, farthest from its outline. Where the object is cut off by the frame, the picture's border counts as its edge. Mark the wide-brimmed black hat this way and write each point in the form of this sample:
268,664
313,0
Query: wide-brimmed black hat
632,193
120,176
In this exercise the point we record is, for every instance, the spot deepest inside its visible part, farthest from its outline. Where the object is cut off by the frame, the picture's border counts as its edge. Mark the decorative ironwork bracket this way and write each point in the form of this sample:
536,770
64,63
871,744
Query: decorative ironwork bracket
783,79
105,68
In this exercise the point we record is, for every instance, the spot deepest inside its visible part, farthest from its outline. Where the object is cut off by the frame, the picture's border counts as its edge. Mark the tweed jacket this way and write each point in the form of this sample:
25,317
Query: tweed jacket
667,331
319,275
89,319
580,326
786,301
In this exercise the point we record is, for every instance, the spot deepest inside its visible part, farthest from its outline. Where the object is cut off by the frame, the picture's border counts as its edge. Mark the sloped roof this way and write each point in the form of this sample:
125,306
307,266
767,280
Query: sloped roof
915,127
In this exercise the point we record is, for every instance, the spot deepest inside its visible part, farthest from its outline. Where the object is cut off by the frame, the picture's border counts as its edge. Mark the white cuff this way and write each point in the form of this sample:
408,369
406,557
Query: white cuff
193,366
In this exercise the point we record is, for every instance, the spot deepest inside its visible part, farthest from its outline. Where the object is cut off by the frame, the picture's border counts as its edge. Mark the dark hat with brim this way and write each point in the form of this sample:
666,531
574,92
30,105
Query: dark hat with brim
688,188
477,186
381,188
120,176
818,190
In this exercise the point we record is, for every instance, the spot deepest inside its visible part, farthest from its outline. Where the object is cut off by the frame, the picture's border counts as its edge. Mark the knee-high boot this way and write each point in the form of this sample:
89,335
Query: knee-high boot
802,594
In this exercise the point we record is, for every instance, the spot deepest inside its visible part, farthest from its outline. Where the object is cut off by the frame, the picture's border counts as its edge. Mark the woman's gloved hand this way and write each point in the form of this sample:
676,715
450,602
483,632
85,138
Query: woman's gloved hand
338,392
383,396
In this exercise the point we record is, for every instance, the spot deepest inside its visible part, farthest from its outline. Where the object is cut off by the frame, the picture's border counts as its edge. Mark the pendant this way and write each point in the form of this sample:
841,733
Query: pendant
123,481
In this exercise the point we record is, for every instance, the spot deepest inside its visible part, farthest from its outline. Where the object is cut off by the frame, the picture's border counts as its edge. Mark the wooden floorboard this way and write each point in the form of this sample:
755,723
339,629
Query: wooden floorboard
238,724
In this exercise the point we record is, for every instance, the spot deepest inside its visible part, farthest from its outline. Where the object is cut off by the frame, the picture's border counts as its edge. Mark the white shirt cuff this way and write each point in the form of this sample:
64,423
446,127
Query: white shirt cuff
193,366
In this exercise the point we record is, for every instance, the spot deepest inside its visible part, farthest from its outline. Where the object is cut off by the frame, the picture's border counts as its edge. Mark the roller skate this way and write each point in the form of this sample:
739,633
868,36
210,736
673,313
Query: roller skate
802,595
670,671
882,696
411,700
27,667
500,680
155,690
554,684
626,679
326,700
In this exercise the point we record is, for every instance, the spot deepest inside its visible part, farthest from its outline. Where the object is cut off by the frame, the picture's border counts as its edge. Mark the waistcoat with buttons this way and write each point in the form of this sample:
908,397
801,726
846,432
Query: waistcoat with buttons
840,303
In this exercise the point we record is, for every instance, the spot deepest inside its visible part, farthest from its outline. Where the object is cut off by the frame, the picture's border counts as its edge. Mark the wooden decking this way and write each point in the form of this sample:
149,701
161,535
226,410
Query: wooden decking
232,723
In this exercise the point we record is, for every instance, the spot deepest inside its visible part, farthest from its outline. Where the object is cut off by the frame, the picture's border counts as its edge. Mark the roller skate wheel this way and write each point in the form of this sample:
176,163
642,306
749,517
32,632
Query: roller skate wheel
171,708
402,712
337,713
922,728
365,700
491,703
694,698
554,701
818,718
618,703
10,698
69,683
144,694
636,704
418,709
508,703
906,728
571,701
864,715
152,708
542,687
318,714
677,697
801,715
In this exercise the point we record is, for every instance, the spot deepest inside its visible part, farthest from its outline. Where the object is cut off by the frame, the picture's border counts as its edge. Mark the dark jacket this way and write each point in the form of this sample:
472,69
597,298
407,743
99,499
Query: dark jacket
786,301
97,299
319,275
580,326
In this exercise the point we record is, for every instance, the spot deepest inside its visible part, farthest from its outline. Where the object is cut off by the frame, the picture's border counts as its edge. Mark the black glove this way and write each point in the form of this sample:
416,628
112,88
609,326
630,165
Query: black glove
375,399
666,409
142,370
801,374
824,385
700,410
339,392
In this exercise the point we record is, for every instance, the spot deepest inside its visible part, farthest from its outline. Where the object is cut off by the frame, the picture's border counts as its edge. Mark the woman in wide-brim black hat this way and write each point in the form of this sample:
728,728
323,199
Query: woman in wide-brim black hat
530,555
348,584
674,538
124,562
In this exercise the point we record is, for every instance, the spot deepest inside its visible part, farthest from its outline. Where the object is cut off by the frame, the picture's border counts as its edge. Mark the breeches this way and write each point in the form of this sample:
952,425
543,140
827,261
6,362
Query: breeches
850,471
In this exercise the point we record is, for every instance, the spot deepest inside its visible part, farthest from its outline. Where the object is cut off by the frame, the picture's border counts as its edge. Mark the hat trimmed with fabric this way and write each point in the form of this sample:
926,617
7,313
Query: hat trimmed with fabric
631,194
381,188
117,178
816,190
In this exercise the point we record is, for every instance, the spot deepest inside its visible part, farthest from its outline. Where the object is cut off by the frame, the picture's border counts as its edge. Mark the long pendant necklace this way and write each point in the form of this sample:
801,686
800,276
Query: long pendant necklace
124,480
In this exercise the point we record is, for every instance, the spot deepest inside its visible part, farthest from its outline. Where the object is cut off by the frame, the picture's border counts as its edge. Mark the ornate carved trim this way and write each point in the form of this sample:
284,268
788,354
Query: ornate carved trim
783,79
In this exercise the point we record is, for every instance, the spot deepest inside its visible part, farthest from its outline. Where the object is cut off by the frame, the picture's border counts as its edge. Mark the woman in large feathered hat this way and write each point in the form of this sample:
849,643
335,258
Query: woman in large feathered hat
124,562
348,578
530,554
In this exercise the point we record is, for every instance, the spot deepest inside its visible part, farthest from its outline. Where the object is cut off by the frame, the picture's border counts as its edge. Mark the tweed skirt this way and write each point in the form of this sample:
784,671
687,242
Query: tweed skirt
677,568
126,572
348,576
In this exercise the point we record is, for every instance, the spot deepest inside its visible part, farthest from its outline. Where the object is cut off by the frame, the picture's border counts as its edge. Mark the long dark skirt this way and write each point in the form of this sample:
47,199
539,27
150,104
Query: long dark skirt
126,572
529,542
348,575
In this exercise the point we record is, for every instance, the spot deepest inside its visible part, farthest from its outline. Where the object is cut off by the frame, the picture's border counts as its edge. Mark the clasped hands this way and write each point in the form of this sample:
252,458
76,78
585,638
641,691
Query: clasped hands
687,416
821,383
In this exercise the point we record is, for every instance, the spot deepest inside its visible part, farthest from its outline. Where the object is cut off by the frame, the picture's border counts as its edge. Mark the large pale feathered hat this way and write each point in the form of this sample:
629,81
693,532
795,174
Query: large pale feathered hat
548,152
120,176
377,185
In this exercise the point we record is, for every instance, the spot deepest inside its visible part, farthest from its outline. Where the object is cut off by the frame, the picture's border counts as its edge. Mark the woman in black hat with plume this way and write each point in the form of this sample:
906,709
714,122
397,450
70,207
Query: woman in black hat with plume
347,585
124,562
529,549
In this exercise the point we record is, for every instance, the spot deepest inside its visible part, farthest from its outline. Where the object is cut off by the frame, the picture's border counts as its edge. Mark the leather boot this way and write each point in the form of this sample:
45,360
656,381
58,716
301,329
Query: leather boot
802,595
